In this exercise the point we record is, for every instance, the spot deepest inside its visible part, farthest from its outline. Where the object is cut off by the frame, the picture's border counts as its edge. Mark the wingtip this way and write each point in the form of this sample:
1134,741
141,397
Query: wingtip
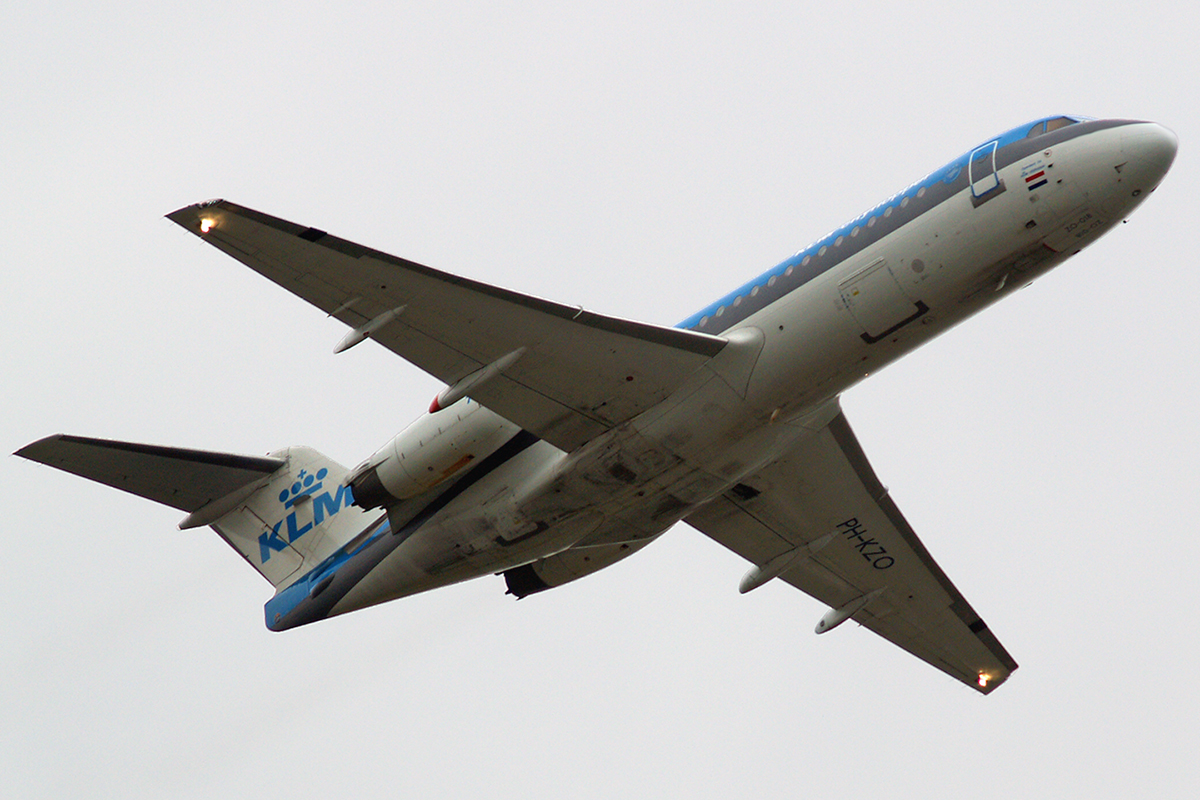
191,216
986,682
46,450
30,451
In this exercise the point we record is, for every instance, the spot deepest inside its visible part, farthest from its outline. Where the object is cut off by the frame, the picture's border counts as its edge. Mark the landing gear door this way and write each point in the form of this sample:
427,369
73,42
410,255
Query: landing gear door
981,171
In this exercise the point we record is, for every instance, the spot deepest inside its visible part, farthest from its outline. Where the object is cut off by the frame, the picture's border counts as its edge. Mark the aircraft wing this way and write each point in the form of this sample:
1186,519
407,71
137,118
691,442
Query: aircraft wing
824,494
560,372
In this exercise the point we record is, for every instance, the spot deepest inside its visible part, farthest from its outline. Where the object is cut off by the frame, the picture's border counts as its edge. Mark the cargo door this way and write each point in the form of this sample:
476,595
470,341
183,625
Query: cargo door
877,302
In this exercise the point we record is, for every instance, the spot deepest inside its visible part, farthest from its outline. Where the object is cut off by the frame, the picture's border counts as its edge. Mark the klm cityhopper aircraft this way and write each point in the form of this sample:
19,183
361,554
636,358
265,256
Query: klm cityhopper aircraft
567,440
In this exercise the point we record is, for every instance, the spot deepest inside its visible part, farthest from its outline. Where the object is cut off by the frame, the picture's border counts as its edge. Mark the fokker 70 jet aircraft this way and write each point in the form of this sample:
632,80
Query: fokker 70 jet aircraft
566,440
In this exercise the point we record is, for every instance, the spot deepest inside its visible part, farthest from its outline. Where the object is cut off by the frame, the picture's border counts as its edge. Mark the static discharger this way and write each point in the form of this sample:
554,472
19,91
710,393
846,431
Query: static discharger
778,565
836,616
363,332
452,394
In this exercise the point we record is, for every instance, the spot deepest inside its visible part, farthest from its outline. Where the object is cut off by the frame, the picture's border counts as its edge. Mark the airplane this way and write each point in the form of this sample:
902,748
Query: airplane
566,440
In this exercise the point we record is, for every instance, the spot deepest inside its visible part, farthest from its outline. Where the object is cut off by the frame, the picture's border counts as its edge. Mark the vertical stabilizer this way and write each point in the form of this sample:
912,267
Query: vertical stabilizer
299,517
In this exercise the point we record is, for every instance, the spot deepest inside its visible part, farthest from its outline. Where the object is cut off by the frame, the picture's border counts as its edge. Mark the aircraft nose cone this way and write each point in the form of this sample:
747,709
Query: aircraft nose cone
1150,149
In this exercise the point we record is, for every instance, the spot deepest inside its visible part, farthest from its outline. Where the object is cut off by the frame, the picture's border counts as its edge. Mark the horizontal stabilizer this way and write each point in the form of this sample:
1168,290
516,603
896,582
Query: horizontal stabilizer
284,513
174,476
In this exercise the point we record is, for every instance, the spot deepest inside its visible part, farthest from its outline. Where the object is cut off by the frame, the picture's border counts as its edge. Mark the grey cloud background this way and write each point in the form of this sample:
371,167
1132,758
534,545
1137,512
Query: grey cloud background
641,160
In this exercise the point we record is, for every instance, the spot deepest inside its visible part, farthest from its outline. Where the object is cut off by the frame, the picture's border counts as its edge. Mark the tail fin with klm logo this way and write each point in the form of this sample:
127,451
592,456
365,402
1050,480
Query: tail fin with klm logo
284,512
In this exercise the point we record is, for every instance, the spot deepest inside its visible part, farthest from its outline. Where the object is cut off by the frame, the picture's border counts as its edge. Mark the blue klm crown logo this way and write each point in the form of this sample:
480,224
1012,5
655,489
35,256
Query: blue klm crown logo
303,487
324,505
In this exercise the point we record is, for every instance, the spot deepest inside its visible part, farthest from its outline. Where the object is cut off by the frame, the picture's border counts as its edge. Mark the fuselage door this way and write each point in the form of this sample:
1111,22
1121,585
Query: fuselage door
981,171
880,307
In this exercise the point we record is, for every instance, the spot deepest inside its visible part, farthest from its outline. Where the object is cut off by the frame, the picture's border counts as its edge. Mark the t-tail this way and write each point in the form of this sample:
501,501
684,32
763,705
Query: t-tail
286,513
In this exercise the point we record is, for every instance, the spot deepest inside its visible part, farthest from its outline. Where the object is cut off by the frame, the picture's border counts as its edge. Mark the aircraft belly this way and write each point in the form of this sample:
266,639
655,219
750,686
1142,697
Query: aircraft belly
533,507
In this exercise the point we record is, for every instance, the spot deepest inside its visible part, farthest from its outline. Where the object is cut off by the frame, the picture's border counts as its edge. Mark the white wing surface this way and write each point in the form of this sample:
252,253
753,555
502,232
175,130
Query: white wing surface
558,371
823,495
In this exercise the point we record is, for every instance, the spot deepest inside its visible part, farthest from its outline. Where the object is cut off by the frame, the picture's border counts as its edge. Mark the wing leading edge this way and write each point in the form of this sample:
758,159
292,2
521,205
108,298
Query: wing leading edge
824,494
565,374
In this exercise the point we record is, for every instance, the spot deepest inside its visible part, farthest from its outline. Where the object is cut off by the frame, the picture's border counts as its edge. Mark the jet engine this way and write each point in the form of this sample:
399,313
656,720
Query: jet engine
432,449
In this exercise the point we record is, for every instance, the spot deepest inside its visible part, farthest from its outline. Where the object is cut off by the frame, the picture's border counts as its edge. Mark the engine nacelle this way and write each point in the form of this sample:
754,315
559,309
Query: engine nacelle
569,565
432,449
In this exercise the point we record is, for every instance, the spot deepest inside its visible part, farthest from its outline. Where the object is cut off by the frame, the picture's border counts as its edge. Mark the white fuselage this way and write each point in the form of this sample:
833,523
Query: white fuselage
787,362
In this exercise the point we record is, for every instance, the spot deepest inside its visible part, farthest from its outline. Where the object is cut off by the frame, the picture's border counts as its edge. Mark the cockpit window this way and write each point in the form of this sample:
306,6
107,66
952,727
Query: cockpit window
1061,122
1045,126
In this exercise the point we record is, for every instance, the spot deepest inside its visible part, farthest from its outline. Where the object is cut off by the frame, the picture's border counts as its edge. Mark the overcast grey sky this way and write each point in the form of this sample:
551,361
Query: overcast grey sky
640,159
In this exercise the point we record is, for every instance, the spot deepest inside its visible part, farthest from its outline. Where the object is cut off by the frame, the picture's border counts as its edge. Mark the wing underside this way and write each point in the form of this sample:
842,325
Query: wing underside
568,374
825,495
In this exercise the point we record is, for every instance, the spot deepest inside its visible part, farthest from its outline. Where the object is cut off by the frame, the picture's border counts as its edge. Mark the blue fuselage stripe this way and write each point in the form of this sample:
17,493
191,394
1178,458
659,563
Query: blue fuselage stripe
866,229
